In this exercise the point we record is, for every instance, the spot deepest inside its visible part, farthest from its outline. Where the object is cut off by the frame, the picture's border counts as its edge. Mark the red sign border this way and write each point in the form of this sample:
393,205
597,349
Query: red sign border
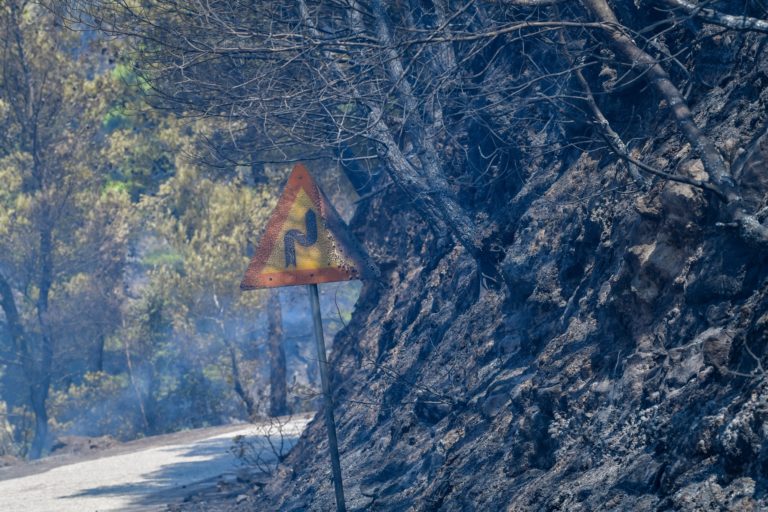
255,279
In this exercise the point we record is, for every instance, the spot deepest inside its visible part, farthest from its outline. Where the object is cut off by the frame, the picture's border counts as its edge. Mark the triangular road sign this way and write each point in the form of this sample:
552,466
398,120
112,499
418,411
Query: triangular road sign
305,241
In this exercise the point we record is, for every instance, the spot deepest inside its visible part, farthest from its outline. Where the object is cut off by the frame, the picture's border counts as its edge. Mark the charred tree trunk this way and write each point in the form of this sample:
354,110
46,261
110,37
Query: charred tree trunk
38,374
38,399
15,329
21,348
135,385
427,183
40,378
278,389
237,382
99,363
660,79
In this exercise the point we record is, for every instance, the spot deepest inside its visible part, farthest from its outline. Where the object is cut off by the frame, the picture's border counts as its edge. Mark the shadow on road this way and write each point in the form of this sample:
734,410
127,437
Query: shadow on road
208,461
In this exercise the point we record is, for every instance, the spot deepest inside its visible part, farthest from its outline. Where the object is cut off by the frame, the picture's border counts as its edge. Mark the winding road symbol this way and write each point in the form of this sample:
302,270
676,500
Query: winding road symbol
294,236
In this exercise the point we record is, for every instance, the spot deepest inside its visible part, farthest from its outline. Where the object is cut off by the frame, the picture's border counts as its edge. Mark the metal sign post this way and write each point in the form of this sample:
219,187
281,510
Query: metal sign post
330,422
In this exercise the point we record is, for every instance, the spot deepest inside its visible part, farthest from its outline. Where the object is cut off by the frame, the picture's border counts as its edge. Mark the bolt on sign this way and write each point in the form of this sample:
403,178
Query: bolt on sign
305,241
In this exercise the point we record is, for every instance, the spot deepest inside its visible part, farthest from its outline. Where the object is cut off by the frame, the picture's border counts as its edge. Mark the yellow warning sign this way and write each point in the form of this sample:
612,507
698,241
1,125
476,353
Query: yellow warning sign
305,241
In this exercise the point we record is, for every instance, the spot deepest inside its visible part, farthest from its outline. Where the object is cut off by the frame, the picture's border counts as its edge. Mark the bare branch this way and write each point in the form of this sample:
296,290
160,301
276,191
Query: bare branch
600,120
704,185
718,18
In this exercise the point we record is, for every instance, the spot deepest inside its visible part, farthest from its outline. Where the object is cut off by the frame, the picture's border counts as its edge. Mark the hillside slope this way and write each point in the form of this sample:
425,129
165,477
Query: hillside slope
612,371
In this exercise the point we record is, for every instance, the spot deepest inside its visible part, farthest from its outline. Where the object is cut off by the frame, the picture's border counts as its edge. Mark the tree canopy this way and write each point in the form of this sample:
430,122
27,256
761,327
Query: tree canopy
121,249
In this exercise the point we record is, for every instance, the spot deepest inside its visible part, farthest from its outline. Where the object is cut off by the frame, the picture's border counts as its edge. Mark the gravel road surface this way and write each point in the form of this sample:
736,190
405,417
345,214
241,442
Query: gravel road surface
140,476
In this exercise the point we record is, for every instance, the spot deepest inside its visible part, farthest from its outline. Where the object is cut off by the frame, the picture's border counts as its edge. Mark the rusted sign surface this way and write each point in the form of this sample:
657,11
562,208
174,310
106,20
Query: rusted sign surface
305,241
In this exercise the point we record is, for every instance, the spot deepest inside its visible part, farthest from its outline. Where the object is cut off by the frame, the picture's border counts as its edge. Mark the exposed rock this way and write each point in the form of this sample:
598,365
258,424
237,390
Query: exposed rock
716,345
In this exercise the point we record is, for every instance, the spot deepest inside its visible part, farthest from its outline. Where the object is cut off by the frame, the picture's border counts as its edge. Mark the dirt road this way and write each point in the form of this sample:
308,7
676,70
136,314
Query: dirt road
141,476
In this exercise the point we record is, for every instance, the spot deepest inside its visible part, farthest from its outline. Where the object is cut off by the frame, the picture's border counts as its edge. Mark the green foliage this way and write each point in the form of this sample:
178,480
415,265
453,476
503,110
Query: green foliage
122,72
106,401
196,250
65,231
114,119
164,258
7,433
116,186
137,296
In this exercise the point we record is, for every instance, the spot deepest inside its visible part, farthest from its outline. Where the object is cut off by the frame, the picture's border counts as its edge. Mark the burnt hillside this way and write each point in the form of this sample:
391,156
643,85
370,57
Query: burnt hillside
615,364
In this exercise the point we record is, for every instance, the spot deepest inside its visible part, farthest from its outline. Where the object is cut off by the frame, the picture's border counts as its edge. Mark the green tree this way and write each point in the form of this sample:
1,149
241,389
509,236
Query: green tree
63,233
197,231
